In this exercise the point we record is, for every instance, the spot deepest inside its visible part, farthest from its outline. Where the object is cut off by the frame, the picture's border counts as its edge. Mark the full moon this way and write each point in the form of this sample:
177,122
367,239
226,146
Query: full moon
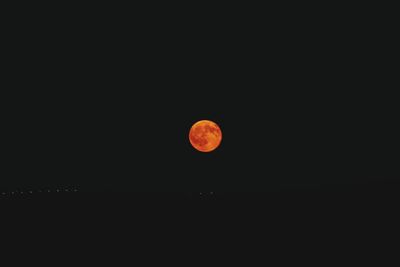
205,136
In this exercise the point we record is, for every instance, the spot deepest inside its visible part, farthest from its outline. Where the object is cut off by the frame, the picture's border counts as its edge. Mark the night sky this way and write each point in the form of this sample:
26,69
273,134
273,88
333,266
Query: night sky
106,106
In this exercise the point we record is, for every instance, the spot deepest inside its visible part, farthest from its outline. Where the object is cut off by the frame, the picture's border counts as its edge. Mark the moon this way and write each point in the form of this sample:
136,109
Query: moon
205,136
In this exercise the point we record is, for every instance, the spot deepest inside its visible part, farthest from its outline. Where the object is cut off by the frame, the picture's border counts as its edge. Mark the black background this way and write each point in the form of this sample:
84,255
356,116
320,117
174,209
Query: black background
104,102
101,99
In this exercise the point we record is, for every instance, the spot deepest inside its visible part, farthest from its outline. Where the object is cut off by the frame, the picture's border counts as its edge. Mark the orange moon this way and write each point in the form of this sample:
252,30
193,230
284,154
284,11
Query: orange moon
205,136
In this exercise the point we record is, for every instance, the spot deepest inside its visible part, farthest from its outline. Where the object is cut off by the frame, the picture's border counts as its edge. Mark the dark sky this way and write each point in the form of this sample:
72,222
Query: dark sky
105,105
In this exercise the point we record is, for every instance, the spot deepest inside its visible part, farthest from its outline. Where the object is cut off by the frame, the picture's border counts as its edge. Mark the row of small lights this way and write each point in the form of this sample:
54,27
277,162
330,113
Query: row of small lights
66,191
73,190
